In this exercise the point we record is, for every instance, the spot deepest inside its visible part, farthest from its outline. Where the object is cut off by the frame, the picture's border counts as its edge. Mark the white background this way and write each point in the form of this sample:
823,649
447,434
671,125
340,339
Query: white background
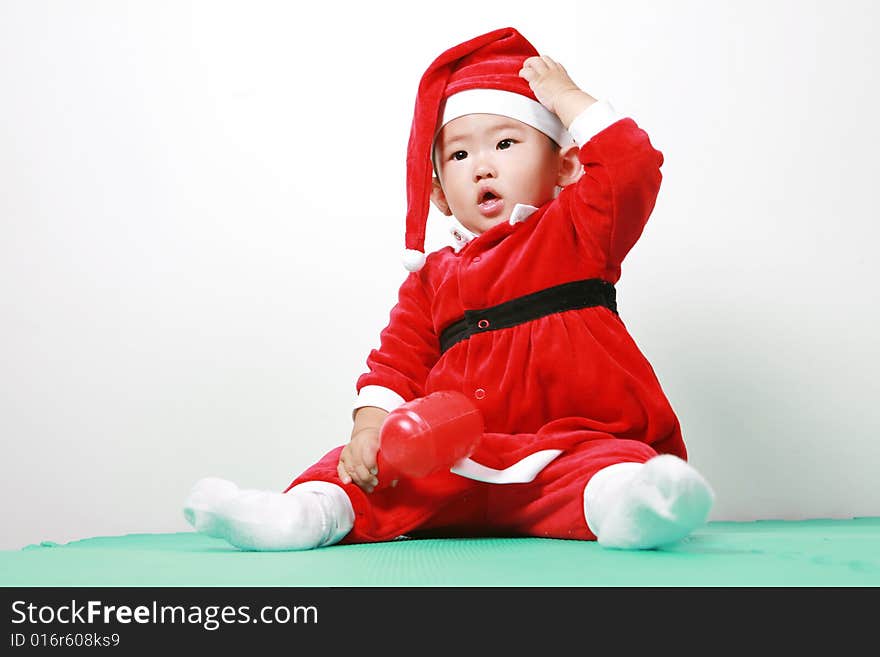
201,217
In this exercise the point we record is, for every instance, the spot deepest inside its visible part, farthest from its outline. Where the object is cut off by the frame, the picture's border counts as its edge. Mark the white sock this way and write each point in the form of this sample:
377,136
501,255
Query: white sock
310,515
646,505
200,507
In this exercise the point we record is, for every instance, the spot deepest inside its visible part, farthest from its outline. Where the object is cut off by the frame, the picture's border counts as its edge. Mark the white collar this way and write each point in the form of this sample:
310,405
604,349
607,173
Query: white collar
461,235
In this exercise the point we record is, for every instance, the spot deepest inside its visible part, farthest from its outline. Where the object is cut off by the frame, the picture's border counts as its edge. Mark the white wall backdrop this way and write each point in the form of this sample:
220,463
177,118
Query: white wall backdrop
201,216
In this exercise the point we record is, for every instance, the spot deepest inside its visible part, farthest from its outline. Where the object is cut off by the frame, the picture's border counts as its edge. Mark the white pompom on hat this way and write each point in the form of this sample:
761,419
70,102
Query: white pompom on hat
478,76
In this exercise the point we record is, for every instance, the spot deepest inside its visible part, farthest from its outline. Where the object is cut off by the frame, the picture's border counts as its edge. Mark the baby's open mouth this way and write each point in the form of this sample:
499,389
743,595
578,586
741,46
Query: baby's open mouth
489,203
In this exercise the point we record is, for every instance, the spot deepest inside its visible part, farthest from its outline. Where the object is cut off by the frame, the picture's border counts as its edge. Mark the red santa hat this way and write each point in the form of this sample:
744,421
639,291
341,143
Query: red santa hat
478,76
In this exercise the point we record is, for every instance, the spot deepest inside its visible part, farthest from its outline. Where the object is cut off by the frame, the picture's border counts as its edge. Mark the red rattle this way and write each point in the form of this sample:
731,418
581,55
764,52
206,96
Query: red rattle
428,434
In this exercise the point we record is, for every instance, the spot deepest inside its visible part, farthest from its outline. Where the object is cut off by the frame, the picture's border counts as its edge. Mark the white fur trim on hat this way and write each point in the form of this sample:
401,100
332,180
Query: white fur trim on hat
413,260
506,103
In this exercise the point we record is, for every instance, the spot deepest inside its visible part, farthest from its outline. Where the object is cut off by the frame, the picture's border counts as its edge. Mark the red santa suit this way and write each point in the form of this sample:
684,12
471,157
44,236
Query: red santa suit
522,319
562,396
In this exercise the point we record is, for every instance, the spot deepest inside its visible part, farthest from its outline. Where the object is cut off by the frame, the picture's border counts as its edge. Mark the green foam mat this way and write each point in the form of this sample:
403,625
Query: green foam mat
761,553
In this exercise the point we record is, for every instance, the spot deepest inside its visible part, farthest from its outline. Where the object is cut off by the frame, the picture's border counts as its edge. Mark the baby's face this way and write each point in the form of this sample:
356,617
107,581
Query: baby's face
489,163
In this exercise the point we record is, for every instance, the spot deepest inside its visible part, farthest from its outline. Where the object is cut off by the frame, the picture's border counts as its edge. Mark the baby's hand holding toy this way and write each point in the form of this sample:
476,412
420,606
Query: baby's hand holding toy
418,438
357,462
429,434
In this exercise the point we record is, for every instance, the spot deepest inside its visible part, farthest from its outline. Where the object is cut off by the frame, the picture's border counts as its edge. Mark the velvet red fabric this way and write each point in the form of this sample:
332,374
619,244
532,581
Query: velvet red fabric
573,381
580,365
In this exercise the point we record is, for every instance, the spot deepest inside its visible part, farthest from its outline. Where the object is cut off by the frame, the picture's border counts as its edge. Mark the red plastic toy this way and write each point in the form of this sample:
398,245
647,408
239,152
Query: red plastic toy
428,434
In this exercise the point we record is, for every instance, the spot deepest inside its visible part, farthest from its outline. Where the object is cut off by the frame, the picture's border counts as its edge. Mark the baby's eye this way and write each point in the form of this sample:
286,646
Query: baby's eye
458,155
505,144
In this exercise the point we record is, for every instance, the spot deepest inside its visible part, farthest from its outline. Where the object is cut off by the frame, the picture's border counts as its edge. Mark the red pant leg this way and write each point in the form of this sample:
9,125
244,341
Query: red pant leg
552,505
388,512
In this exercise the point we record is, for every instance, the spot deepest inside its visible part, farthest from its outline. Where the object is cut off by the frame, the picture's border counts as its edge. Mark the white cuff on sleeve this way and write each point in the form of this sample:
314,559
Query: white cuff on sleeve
378,396
592,121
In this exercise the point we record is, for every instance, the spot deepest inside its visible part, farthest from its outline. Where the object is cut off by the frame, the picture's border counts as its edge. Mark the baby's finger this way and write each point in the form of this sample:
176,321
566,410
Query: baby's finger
366,453
365,480
343,474
537,65
553,66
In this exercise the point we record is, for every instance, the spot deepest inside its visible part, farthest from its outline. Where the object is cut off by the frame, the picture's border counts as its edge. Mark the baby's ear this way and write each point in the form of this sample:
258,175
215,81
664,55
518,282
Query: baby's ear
570,167
438,198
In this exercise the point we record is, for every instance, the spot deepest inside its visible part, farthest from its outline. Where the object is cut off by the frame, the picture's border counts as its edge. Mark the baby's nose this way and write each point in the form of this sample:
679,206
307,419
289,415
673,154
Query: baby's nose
483,171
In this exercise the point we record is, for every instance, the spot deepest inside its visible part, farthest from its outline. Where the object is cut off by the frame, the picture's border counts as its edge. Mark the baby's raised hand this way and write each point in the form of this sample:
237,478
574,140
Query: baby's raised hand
548,79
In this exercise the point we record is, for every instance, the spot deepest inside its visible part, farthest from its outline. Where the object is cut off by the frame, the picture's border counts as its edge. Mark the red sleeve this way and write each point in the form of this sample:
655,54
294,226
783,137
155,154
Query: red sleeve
612,200
409,347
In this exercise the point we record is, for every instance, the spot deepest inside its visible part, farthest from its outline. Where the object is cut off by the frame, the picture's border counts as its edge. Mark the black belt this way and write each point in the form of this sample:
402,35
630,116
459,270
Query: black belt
568,296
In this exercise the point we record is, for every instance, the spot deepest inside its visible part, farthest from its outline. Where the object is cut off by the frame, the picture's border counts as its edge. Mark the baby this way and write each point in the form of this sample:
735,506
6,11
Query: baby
550,189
